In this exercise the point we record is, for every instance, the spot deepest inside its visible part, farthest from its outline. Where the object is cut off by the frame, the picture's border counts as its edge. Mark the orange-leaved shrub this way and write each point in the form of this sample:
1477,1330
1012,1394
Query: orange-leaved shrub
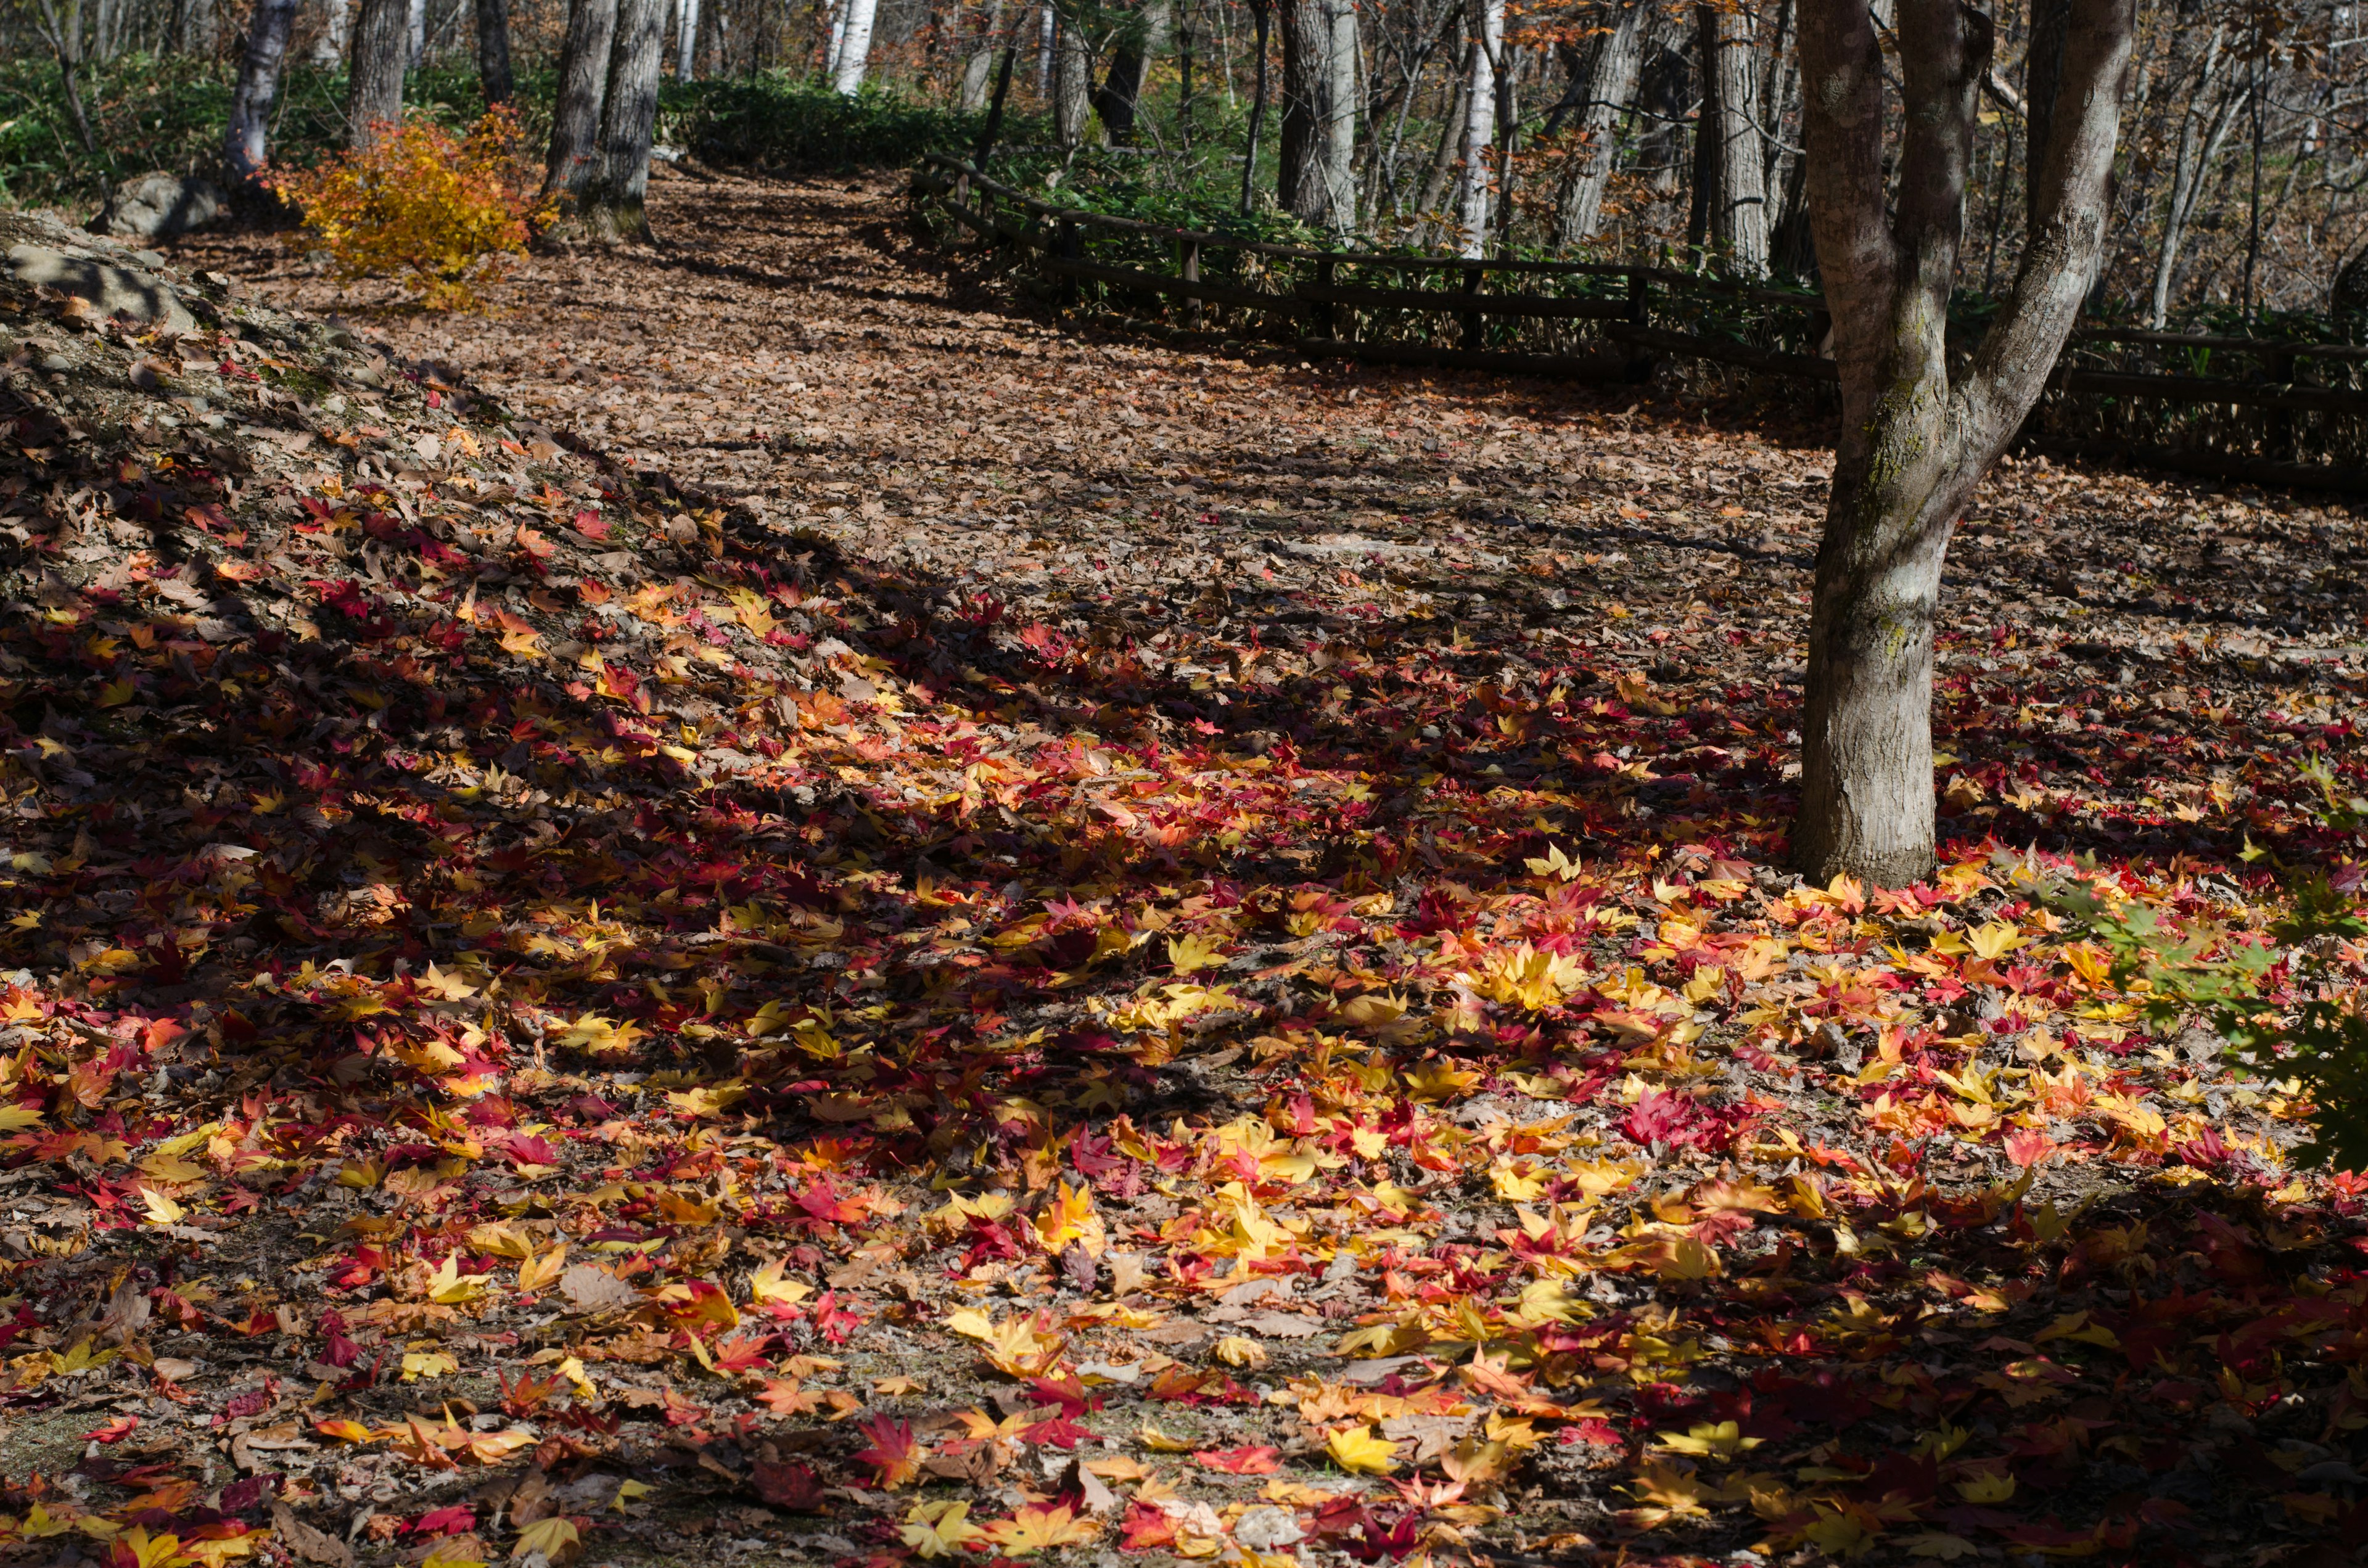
439,214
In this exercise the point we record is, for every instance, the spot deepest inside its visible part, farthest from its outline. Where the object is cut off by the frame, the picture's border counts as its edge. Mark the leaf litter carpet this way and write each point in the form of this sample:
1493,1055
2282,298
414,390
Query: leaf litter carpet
768,908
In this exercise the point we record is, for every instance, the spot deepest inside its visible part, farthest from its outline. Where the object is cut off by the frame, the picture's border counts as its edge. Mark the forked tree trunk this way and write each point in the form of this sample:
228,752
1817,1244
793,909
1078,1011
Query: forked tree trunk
493,51
1607,84
258,84
1316,178
1912,444
374,88
583,87
611,201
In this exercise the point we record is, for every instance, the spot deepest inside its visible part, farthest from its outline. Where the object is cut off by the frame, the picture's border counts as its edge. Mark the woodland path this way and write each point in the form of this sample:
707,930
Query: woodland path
1185,952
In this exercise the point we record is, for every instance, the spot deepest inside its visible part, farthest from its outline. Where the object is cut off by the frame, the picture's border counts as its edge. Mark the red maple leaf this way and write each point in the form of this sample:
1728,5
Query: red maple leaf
793,1486
895,1455
1254,1459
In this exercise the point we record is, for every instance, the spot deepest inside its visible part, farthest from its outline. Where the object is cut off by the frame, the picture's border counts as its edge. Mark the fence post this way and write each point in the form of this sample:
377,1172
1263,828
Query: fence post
1636,286
2279,446
1326,326
1065,245
1188,266
1472,272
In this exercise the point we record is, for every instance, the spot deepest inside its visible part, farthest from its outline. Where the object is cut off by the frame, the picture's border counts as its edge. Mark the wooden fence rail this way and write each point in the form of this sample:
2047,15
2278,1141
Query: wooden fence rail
1310,311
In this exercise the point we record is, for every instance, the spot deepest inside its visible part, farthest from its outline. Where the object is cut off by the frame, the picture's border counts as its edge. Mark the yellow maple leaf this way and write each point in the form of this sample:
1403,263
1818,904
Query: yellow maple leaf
1994,940
1193,953
555,1537
1037,1527
1994,1488
449,1286
1357,1450
161,1211
538,1272
940,1529
418,1364
1070,1216
767,1285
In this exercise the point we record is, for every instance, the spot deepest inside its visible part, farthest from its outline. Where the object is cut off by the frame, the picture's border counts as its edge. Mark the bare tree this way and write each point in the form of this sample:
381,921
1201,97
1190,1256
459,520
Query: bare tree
1913,445
1479,126
258,85
493,51
374,86
583,88
2203,135
1139,40
1318,150
610,202
1603,85
1731,166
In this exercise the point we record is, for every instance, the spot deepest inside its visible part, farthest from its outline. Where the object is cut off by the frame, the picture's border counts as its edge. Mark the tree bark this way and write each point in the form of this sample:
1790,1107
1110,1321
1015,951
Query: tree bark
854,53
1913,446
336,19
978,71
685,42
1607,84
244,140
374,85
1073,82
2043,74
611,202
1119,97
583,88
493,51
1735,196
1479,127
1451,137
2198,151
1318,175
1261,15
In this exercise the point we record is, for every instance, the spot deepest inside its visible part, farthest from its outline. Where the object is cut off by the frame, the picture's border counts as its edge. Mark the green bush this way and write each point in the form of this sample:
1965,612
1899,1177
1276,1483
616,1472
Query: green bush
167,112
782,122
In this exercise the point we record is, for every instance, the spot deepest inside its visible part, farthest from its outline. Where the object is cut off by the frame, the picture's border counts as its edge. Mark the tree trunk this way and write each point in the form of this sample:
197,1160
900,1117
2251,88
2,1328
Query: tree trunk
493,51
415,35
1912,445
1073,82
611,202
1119,97
685,42
854,47
2198,151
1607,84
329,48
1261,18
1451,137
978,71
1317,178
2043,74
258,84
374,86
1736,199
583,88
1665,90
1479,127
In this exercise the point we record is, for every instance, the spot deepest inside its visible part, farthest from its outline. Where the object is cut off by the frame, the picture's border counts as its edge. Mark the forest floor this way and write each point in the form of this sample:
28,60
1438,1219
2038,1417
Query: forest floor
769,907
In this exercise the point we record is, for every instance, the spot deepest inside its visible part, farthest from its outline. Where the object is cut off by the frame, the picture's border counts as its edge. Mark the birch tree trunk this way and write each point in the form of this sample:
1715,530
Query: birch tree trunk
374,87
854,47
583,88
1609,83
610,202
686,45
493,49
415,34
1735,200
329,48
1479,127
1912,444
258,84
1073,83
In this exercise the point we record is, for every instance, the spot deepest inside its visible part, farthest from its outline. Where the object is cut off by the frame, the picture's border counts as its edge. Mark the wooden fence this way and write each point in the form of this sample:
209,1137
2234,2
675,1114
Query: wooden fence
1607,322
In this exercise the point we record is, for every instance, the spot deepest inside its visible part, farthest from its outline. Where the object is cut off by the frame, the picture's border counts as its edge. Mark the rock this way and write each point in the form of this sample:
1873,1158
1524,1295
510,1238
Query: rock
160,206
112,290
